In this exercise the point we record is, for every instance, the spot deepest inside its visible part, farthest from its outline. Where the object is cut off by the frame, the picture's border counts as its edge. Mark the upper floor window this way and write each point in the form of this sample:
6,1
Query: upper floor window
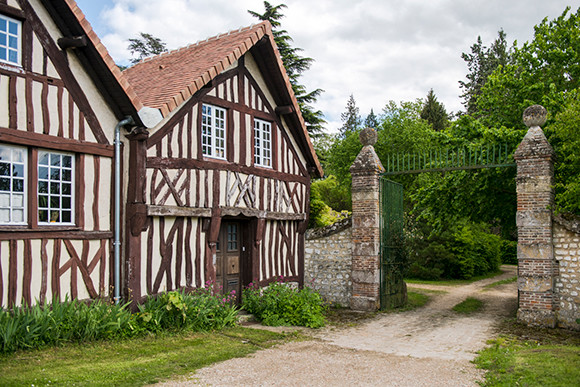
10,37
262,143
12,185
213,131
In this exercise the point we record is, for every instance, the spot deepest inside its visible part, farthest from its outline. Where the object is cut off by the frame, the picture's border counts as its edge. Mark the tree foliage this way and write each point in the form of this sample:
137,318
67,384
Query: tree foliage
145,46
371,121
481,63
434,112
295,64
351,119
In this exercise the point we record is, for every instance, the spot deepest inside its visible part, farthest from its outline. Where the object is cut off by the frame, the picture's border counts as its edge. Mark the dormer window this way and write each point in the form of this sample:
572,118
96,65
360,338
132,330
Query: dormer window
10,40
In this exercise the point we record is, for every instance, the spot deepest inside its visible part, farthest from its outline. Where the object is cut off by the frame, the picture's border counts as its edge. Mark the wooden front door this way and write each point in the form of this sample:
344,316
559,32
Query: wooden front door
228,258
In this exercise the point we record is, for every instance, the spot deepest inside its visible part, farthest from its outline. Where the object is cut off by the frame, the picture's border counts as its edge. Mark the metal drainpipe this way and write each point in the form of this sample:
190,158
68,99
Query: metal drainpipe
117,240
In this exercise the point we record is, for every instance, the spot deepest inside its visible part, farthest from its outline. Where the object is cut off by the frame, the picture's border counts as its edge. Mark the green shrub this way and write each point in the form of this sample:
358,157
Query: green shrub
202,310
462,251
62,322
509,252
281,304
74,321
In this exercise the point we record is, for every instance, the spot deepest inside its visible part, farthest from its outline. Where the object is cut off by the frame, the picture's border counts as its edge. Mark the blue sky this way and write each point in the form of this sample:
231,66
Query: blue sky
377,50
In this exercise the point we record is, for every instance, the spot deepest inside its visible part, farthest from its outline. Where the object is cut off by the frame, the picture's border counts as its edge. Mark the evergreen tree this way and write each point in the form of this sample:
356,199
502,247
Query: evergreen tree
434,112
147,45
481,63
371,121
351,118
295,65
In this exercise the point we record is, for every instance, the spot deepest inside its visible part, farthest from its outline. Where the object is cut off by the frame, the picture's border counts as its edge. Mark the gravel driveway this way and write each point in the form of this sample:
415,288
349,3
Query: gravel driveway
430,346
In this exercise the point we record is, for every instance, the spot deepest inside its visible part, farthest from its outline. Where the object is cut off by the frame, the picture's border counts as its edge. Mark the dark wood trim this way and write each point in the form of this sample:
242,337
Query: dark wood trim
27,274
45,109
13,102
53,142
189,257
96,190
230,128
27,39
210,99
11,11
187,108
19,73
44,265
153,210
198,255
82,268
284,110
46,233
12,273
72,42
164,163
60,63
29,105
79,207
32,188
55,280
197,133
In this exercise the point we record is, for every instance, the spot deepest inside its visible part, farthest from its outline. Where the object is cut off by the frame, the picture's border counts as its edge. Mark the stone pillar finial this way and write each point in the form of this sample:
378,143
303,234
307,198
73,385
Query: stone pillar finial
535,200
535,115
365,266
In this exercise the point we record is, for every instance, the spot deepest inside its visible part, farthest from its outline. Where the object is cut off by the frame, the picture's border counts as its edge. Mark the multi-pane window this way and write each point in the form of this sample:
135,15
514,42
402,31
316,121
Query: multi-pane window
262,143
12,185
55,187
232,237
10,36
213,131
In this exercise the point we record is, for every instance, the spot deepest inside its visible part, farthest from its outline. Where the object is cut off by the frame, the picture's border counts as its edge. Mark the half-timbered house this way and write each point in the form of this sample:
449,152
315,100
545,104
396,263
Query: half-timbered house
219,190
61,97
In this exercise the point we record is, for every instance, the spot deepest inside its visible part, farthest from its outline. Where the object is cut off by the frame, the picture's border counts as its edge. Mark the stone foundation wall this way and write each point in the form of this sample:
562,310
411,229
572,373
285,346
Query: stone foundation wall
567,287
328,262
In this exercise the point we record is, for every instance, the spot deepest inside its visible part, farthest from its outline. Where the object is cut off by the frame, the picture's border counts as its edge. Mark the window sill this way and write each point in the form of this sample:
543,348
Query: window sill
44,228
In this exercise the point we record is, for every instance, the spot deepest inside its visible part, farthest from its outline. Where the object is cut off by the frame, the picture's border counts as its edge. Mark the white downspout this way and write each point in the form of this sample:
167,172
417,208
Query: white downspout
117,223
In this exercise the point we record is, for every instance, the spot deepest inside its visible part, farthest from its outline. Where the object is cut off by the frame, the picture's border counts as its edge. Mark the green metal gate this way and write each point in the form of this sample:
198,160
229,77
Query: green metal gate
393,288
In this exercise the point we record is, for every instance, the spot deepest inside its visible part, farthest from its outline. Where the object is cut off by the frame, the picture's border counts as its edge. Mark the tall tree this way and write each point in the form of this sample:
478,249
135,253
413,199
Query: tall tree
543,71
434,112
371,121
351,118
146,45
295,65
481,63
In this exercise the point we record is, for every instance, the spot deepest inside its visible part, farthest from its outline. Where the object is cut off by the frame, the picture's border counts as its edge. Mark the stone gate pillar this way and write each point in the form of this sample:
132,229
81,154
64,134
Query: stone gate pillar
365,225
537,266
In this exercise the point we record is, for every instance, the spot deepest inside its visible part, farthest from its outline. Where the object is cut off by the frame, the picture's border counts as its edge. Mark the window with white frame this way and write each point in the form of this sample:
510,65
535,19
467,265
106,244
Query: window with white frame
10,40
262,143
55,188
12,185
213,131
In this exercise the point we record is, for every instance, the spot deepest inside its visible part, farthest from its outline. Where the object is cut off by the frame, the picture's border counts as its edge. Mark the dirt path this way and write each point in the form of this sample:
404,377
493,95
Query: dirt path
430,346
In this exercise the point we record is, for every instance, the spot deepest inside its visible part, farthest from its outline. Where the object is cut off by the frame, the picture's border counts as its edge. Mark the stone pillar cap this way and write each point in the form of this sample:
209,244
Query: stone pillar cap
535,115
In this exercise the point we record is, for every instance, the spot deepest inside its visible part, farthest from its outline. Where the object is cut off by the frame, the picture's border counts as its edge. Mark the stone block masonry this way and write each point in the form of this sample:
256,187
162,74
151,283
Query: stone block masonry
567,284
328,262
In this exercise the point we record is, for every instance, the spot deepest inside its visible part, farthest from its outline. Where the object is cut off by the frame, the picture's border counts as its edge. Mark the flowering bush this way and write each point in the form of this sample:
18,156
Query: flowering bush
282,304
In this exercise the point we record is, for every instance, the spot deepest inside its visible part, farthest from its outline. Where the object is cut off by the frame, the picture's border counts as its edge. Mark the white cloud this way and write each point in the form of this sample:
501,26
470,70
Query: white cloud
375,49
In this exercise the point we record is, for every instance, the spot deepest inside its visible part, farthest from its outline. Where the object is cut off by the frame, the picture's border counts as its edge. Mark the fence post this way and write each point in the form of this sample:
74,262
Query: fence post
365,225
537,267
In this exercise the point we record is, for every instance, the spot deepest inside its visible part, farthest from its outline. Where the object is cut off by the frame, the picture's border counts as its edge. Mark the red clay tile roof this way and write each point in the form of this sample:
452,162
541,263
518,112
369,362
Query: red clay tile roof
102,50
166,80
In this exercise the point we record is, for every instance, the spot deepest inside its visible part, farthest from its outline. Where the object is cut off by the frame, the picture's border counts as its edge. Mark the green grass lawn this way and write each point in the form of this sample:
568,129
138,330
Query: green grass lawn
132,362
502,282
470,305
524,356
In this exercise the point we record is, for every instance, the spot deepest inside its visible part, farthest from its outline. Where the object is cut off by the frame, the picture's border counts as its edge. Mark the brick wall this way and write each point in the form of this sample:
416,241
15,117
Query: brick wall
328,262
